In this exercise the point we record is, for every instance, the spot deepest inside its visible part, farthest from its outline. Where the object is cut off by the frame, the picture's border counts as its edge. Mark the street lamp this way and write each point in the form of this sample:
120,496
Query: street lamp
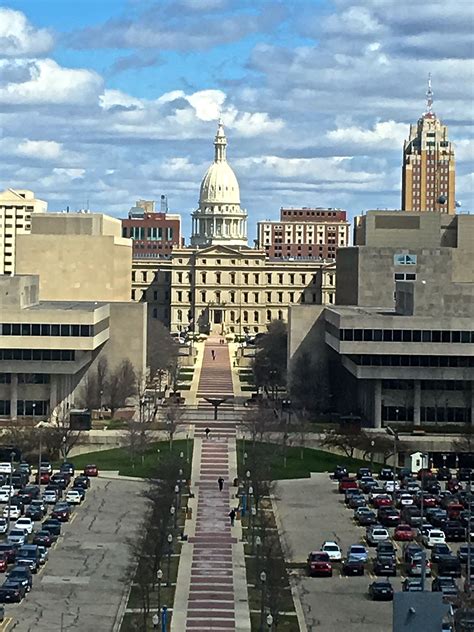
34,409
258,543
170,548
269,621
397,410
254,516
40,455
177,492
12,456
159,577
173,515
64,448
263,579
155,620
372,444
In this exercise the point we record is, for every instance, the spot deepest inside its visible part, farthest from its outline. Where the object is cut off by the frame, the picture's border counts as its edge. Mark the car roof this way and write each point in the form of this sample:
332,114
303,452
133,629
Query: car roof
326,542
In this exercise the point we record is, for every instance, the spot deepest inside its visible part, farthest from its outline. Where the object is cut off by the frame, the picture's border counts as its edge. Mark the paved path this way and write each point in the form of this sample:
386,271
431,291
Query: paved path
211,592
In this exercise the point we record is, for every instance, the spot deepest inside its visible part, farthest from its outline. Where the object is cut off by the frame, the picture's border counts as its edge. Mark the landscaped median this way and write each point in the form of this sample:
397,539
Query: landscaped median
155,547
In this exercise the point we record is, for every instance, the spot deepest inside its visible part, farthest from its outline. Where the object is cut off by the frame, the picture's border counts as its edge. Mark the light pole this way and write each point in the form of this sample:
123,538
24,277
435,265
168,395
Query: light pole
64,448
397,410
372,444
173,515
170,548
34,409
254,516
469,556
159,577
101,393
263,579
269,622
177,503
394,434
12,456
258,543
40,456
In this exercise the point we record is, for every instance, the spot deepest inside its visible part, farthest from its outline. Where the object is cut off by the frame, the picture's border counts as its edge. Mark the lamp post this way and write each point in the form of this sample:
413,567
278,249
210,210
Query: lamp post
101,394
269,621
173,515
155,620
40,456
159,577
64,448
469,552
394,434
12,456
263,579
34,409
372,444
187,447
397,410
254,516
258,543
177,494
170,549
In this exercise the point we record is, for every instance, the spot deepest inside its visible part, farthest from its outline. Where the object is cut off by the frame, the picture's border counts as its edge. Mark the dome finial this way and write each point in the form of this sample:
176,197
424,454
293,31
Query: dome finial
220,142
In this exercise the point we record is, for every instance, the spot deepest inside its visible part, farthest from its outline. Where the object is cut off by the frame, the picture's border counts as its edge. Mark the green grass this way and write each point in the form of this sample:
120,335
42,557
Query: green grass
185,377
247,389
313,460
120,459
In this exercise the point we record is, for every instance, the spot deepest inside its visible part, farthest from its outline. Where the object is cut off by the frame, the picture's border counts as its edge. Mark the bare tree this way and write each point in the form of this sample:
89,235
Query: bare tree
259,421
95,386
58,436
173,414
122,385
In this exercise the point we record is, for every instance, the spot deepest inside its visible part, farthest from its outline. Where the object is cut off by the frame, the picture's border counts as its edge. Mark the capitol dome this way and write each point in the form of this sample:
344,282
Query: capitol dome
219,218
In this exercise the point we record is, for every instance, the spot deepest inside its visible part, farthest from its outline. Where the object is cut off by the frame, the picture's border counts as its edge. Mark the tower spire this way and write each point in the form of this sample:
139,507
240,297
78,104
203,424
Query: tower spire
220,143
429,96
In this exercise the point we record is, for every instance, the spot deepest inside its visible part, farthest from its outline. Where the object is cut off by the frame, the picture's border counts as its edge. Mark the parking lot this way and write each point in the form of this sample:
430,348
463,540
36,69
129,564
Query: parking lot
81,585
312,511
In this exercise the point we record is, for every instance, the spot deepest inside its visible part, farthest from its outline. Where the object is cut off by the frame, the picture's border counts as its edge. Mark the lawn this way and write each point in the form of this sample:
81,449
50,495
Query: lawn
120,459
297,467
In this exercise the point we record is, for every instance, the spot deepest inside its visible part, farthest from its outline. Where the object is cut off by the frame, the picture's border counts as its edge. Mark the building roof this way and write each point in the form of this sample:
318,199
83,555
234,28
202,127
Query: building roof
79,306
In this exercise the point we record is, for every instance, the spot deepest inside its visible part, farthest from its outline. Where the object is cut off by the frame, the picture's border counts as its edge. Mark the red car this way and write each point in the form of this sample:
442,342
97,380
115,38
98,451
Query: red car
425,473
381,501
319,564
91,470
428,501
44,478
344,483
404,532
3,563
453,485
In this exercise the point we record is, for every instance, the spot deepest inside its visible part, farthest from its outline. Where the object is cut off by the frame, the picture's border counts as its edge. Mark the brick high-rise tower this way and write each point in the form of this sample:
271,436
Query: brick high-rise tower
428,177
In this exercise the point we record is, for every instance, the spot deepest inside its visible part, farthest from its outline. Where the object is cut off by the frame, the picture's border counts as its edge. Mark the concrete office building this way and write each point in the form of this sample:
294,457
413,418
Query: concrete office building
428,173
16,209
77,256
304,233
152,232
47,348
399,343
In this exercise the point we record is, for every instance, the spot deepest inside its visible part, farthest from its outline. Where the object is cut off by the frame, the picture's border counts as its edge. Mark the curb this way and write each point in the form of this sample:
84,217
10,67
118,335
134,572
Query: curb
293,584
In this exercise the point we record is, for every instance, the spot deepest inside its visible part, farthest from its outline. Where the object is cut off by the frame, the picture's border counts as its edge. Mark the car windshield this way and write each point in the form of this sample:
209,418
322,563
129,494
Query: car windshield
357,549
331,547
17,533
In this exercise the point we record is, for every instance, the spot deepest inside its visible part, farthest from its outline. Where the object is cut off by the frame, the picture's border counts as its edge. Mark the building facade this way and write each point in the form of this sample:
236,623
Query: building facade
398,346
152,232
304,233
16,209
428,173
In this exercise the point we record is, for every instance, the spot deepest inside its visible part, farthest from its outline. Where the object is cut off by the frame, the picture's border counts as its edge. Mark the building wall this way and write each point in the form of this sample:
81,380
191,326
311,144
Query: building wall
77,257
16,209
154,233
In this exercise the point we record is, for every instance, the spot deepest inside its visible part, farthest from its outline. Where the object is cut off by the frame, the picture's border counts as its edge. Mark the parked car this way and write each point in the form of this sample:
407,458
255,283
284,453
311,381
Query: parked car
356,500
410,550
449,566
12,592
82,481
80,490
53,526
333,550
465,474
381,500
359,552
13,512
439,550
381,590
446,585
463,553
61,512
9,550
91,470
3,563
386,474
6,468
412,584
45,466
365,516
434,536
43,538
22,574
386,548
454,531
43,552
414,567
340,472
444,474
68,467
29,493
388,516
73,497
403,532
34,512
17,536
3,525
363,471
29,555
385,565
50,496
319,564
376,534
353,566
24,523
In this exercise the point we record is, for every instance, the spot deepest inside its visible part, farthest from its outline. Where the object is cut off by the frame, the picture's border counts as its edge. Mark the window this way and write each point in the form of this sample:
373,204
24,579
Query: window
232,278
280,315
203,296
256,277
245,316
246,278
232,316
179,295
179,315
280,297
245,297
269,315
232,297
255,317
269,278
203,277
280,278
255,297
218,278
404,260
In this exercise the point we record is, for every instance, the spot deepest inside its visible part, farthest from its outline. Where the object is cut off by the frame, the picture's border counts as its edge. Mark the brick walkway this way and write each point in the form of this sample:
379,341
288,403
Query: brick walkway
216,553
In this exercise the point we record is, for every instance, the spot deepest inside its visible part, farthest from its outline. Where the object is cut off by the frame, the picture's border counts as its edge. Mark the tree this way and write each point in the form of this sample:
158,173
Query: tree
95,386
258,421
269,365
173,413
122,385
465,441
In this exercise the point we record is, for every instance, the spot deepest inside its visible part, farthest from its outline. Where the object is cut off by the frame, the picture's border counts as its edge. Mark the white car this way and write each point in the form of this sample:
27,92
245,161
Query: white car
50,497
73,497
4,496
406,500
3,525
5,468
333,550
17,536
391,486
14,512
435,536
24,523
377,534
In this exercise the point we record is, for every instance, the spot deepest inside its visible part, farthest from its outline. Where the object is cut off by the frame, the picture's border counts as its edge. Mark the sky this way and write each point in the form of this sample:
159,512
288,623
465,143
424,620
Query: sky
106,102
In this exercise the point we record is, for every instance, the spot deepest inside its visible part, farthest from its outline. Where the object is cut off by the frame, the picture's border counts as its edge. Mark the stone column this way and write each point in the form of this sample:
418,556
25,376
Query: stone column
417,403
14,396
53,393
378,404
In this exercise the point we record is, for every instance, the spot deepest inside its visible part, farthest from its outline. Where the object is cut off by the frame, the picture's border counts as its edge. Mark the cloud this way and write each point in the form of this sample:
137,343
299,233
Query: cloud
134,62
44,149
19,39
44,81
385,134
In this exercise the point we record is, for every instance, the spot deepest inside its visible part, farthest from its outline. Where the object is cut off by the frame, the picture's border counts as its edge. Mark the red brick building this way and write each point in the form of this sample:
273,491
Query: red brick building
153,233
304,233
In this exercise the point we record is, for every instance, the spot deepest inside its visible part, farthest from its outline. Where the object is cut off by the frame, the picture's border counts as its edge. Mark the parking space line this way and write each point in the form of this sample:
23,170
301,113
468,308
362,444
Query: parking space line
5,624
74,516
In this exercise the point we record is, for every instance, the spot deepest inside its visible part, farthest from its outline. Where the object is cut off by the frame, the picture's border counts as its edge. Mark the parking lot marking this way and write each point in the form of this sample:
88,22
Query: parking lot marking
73,518
5,624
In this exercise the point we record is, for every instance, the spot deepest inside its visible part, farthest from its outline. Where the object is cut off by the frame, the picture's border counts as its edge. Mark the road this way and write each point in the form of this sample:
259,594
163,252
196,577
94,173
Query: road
80,588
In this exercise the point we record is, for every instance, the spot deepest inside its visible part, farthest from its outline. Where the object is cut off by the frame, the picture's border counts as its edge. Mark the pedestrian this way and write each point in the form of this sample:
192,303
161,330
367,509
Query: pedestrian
213,354
207,431
232,517
220,482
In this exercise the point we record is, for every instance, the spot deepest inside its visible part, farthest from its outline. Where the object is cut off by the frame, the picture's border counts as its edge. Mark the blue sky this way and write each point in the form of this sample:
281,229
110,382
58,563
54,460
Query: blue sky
114,100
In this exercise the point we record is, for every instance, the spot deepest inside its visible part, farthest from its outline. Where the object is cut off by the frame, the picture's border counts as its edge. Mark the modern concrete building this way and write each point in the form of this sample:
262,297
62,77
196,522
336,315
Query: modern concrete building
304,233
77,256
47,348
399,343
16,210
428,174
152,232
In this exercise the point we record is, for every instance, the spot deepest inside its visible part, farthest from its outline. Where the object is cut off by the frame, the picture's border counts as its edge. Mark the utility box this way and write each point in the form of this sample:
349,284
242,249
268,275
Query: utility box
416,461
80,419
418,611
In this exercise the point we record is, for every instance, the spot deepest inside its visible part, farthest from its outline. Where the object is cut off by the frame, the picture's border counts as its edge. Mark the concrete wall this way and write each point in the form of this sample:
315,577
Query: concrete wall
347,276
128,335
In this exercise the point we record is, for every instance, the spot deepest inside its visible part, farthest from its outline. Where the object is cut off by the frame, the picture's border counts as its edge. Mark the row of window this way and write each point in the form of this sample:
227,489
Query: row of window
154,233
404,335
25,407
425,385
427,413
26,378
246,316
40,355
413,360
28,329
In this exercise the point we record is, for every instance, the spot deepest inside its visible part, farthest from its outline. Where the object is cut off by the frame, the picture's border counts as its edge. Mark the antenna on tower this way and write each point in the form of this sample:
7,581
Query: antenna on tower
429,96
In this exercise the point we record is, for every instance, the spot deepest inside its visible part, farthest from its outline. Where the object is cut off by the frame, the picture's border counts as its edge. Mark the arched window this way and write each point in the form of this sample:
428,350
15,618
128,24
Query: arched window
203,296
203,277
180,315
280,315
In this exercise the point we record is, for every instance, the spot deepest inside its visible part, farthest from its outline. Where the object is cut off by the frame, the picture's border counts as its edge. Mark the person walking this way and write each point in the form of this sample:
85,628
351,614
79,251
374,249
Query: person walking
213,354
207,431
232,517
220,482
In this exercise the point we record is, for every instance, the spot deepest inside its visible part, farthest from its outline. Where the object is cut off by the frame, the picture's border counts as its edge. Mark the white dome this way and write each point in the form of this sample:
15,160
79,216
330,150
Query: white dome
219,186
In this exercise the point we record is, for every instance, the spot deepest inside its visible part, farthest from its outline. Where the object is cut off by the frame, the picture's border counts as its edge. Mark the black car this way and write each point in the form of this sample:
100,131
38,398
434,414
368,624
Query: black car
67,467
438,551
340,472
44,538
34,512
385,565
61,479
444,474
386,474
431,485
54,487
381,590
463,553
352,566
465,474
29,554
454,531
446,585
53,526
23,575
367,518
363,471
9,551
412,584
29,493
356,500
449,566
16,501
410,550
12,592
439,518
386,549
85,482
389,517
62,512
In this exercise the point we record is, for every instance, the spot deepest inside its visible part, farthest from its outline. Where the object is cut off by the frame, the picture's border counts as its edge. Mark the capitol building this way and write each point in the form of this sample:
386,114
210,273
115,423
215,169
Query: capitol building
219,284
